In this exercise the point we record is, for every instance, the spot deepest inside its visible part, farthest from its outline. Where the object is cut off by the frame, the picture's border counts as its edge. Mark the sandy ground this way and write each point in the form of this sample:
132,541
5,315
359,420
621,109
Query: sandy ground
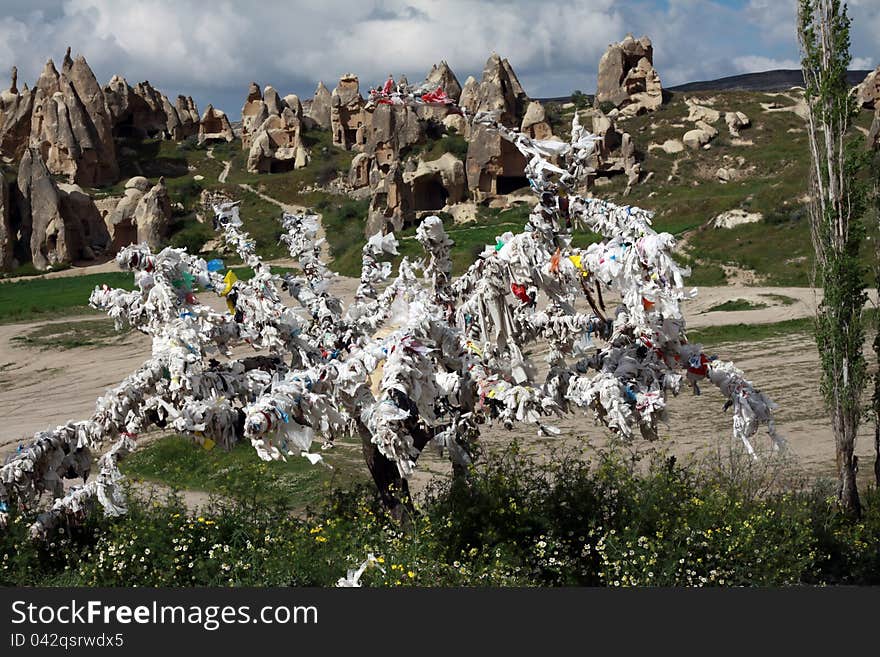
40,389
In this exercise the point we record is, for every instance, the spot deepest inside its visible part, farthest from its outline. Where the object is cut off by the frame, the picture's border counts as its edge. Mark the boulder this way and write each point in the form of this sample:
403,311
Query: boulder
441,76
535,123
348,118
15,119
697,112
627,78
319,111
736,121
152,216
734,218
700,136
138,182
457,123
672,146
868,92
214,126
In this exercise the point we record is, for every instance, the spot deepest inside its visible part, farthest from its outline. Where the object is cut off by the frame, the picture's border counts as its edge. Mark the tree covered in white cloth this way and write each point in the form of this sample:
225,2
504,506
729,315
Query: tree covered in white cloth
417,358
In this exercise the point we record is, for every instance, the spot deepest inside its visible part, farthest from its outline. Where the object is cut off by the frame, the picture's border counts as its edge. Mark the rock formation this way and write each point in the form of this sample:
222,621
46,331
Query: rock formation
71,124
615,153
136,112
736,121
437,183
627,78
874,132
499,92
271,131
868,92
182,118
142,111
699,136
120,222
253,113
348,120
142,215
151,216
391,205
698,112
59,223
7,238
390,129
319,111
214,126
493,165
15,119
468,98
442,76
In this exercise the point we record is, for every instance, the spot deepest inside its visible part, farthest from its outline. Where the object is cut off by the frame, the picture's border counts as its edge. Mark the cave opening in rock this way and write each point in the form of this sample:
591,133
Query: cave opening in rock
508,184
429,193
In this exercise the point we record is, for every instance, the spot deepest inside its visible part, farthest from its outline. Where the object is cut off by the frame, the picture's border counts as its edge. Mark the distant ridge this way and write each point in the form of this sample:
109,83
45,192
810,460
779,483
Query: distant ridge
777,80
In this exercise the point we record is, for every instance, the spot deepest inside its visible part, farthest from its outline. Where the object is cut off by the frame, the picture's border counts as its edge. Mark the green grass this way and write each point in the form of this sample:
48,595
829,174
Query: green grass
70,335
685,195
737,304
713,335
781,299
183,465
46,298
28,269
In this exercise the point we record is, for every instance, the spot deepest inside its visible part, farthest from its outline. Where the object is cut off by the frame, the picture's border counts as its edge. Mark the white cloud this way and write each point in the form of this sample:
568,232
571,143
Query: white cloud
758,63
213,50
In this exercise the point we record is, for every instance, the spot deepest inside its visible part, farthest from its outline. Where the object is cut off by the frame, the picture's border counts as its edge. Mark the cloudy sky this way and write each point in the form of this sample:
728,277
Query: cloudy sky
213,49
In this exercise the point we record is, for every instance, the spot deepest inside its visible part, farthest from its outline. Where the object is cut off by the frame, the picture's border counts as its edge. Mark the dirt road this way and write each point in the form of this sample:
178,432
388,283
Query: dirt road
40,389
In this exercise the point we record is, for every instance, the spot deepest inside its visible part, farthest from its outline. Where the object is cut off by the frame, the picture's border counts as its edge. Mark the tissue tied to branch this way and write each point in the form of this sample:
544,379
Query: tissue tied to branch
413,360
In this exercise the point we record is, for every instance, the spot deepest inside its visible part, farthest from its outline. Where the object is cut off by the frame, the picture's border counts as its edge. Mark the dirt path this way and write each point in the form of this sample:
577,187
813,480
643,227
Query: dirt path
296,209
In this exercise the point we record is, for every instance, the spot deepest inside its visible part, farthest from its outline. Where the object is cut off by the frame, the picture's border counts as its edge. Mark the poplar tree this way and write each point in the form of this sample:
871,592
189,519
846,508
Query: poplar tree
837,229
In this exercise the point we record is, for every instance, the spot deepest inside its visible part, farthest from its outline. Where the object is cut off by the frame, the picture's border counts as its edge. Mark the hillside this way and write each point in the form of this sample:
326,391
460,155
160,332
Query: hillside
769,165
776,80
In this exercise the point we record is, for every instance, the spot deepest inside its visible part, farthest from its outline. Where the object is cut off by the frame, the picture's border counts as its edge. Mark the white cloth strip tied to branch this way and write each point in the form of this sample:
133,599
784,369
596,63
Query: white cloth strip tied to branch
648,345
422,361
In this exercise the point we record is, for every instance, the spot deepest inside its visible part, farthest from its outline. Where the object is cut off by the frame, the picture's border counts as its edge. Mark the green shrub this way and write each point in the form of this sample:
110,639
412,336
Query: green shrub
614,521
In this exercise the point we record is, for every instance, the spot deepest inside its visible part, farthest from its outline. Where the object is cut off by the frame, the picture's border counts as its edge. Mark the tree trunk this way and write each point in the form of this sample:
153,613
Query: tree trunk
847,463
393,489
877,448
